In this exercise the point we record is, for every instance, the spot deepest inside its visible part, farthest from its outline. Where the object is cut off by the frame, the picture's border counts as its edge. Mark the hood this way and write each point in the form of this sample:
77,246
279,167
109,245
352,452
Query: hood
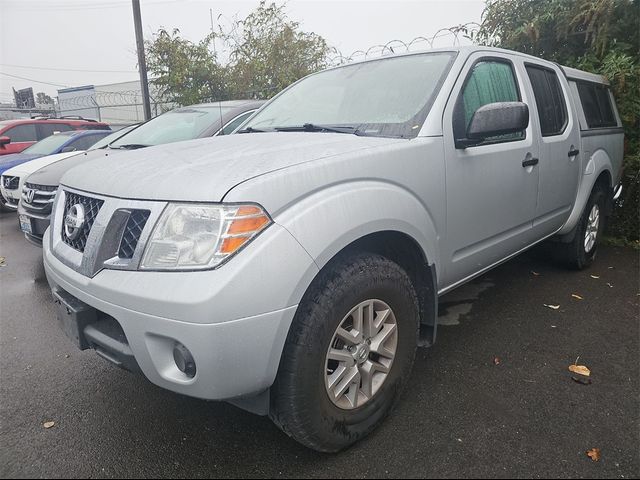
13,159
31,166
52,172
206,169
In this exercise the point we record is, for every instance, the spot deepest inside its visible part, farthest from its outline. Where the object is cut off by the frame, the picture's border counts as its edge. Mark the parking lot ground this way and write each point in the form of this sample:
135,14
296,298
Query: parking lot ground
462,415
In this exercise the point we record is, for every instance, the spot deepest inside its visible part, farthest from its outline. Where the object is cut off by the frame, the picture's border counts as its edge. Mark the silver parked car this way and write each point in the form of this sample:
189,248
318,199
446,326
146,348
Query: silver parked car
292,268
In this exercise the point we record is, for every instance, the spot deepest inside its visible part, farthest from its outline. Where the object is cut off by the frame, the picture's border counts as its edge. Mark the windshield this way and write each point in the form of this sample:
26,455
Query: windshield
387,97
104,141
180,124
48,145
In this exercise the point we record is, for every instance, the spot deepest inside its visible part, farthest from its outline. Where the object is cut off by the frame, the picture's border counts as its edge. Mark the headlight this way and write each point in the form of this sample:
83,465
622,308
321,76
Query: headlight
197,237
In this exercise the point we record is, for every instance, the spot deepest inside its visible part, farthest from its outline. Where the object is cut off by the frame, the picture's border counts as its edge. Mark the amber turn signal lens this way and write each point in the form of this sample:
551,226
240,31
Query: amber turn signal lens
247,225
232,244
248,210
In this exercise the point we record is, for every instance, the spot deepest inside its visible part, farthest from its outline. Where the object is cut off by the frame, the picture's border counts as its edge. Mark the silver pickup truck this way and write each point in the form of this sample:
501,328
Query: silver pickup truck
293,268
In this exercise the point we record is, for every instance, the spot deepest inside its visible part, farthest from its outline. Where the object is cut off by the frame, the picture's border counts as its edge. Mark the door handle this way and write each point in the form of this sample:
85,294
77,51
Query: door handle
573,152
530,162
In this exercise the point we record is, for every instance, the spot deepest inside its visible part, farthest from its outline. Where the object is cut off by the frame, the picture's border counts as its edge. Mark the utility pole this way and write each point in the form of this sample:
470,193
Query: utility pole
142,64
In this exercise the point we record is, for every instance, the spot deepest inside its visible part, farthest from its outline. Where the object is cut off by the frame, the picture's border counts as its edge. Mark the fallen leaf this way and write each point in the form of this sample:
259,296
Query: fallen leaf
594,454
48,425
496,361
595,276
552,307
575,295
2,262
581,380
609,285
535,274
580,370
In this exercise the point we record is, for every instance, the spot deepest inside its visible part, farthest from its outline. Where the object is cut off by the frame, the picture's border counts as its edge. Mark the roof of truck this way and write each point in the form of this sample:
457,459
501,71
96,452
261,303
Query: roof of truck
571,73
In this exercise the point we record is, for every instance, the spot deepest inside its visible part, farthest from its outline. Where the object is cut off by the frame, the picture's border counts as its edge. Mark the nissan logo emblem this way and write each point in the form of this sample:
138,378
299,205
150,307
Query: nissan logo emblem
74,221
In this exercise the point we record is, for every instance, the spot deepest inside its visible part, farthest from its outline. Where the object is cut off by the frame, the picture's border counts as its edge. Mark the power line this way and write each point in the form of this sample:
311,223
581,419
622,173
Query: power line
66,69
32,80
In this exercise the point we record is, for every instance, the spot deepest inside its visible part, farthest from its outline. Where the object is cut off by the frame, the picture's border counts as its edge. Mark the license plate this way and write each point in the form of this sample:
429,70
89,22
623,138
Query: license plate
25,224
73,316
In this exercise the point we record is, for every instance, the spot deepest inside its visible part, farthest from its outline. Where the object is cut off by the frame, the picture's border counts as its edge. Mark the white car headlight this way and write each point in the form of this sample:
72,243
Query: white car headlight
199,236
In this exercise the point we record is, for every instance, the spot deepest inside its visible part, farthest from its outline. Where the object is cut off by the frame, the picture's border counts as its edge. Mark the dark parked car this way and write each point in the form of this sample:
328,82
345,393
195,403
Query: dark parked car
185,123
16,135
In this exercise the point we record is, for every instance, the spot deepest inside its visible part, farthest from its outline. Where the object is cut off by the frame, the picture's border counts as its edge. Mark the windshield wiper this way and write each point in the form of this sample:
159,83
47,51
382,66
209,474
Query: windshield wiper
310,127
130,146
250,130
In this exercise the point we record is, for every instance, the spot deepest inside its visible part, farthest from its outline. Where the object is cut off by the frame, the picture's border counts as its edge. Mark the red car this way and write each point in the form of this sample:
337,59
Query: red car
16,135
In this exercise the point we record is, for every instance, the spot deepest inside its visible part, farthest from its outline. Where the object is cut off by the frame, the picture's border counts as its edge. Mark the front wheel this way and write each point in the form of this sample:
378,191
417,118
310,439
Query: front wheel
348,354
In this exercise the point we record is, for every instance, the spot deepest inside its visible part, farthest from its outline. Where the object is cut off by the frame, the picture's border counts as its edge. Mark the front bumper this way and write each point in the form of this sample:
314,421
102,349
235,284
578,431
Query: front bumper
233,320
39,224
10,198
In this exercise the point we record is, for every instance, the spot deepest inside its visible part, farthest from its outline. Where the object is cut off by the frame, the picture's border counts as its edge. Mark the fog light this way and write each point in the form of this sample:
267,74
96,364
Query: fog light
184,360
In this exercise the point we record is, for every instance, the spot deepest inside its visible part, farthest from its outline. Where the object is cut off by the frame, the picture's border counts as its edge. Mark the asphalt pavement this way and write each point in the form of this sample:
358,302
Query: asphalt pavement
492,398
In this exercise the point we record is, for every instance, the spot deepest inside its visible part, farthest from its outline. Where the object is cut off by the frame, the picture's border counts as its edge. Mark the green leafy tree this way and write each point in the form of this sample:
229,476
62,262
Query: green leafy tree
184,72
268,51
43,99
601,36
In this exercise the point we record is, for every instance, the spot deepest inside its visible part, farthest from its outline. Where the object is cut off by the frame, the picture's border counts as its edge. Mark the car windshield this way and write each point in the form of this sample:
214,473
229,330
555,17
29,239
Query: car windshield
104,141
48,145
180,124
386,97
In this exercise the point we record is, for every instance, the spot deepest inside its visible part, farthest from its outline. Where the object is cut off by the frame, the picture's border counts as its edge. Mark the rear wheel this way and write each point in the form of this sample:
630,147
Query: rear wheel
581,252
348,353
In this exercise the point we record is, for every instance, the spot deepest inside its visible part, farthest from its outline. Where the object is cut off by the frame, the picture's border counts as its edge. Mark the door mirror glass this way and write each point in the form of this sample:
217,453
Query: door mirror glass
495,119
4,140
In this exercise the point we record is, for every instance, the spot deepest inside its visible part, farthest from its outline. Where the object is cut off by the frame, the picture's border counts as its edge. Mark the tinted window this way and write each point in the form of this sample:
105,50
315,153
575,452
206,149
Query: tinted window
596,104
552,109
235,123
22,133
490,81
83,143
47,129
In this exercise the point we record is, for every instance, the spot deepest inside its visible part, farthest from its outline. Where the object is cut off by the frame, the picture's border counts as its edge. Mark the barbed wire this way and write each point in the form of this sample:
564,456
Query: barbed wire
466,31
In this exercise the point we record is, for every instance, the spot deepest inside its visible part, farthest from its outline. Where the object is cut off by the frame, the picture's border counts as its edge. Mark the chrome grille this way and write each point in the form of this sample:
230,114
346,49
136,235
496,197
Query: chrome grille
38,198
10,182
132,231
91,208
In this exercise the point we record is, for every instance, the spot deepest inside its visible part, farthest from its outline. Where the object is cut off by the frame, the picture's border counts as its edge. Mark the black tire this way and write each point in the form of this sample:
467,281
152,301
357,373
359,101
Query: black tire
300,405
574,254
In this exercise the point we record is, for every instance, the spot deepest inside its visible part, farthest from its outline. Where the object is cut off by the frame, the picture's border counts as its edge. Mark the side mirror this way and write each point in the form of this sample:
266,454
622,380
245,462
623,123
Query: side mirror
4,141
68,149
496,119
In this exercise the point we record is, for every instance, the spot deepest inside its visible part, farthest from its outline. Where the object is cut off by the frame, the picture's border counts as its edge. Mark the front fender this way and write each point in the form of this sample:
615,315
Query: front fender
326,221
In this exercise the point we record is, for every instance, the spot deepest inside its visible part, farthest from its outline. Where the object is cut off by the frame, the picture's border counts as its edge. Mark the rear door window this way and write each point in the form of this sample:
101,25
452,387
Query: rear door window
47,129
596,103
22,133
550,101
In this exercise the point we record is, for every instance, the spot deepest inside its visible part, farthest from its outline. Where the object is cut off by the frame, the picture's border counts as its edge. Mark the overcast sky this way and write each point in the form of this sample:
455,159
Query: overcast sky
84,42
